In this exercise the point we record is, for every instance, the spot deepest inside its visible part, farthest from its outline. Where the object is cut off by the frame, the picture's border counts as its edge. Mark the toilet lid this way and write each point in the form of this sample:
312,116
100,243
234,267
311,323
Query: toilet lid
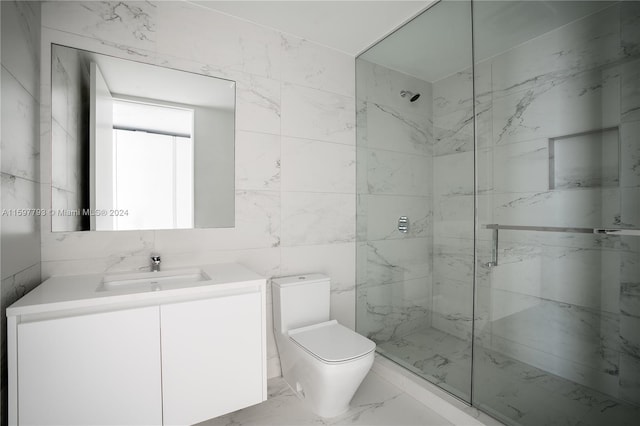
332,342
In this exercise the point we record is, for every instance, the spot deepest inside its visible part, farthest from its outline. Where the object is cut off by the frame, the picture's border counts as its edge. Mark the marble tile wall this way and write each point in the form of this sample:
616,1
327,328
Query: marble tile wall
295,146
453,187
395,149
564,303
20,148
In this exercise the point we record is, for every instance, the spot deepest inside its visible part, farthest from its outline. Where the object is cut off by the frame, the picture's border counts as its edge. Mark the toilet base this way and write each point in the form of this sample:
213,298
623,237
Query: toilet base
326,388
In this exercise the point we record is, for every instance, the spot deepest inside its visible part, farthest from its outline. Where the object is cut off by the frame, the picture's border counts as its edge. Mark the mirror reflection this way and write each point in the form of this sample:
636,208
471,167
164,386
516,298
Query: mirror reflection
137,146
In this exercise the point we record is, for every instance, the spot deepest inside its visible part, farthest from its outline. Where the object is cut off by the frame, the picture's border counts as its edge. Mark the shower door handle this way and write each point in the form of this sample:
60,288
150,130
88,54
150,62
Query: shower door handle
613,231
494,250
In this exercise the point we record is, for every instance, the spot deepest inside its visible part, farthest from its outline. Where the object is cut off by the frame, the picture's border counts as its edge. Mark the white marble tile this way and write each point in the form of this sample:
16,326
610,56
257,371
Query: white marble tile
630,94
453,300
382,86
315,114
395,261
629,336
453,93
397,130
376,403
258,107
453,259
104,264
20,234
337,261
454,174
343,308
20,144
630,154
453,132
93,245
568,369
314,166
442,358
16,286
579,335
583,276
564,106
630,378
380,214
21,43
629,28
263,261
454,216
317,218
515,391
394,173
389,311
66,204
584,44
630,208
257,161
519,167
133,24
630,298
307,64
257,226
214,38
590,208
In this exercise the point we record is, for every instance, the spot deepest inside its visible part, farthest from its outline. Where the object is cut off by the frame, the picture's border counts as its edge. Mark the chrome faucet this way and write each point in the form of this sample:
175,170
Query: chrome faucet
155,263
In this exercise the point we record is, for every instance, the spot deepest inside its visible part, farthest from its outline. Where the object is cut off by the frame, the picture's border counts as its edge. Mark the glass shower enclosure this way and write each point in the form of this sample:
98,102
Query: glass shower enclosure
498,206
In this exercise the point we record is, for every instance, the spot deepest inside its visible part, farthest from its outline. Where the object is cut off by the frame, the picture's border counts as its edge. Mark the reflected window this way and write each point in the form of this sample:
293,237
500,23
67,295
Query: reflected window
152,166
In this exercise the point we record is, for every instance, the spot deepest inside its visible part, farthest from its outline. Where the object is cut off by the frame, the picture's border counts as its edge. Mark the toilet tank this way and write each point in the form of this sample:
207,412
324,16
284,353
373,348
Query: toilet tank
300,300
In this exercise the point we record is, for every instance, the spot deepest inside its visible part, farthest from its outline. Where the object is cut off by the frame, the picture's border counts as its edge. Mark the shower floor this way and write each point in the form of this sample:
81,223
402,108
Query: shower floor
522,393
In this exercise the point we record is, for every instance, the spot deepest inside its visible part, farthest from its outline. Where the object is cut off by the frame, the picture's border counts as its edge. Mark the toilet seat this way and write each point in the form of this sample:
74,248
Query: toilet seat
331,342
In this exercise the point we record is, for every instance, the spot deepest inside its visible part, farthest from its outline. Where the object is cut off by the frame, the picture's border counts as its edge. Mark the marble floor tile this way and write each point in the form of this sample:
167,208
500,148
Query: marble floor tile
376,402
508,389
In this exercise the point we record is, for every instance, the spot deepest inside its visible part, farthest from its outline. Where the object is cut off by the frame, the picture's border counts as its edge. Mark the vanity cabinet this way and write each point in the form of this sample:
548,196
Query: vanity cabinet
221,371
91,369
177,356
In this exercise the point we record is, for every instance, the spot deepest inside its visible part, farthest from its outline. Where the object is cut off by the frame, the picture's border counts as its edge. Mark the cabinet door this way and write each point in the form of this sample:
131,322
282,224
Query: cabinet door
211,357
97,369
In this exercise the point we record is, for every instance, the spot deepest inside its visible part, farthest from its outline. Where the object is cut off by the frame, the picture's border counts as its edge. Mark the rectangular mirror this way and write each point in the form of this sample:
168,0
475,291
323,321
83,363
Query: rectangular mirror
138,146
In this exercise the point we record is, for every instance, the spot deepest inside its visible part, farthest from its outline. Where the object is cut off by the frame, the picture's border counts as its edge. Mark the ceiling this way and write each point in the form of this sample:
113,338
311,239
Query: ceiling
347,26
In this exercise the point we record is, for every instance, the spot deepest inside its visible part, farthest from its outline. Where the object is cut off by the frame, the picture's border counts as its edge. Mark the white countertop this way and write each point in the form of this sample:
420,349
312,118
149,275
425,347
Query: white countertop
83,291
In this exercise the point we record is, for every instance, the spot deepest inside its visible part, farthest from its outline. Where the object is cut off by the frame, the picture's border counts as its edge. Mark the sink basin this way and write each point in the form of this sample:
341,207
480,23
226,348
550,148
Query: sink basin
151,281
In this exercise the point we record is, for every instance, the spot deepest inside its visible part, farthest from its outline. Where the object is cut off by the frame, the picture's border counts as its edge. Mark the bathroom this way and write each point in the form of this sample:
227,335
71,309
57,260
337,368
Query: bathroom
329,155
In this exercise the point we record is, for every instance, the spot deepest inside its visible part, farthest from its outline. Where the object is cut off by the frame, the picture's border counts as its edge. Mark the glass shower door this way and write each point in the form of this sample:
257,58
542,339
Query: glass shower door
557,303
415,212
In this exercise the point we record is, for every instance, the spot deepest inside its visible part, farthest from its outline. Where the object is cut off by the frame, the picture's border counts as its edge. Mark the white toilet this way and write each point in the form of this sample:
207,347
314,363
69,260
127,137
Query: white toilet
322,361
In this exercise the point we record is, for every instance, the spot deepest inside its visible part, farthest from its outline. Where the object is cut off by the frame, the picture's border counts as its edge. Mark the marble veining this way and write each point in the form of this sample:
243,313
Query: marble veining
523,115
376,403
130,24
510,389
397,131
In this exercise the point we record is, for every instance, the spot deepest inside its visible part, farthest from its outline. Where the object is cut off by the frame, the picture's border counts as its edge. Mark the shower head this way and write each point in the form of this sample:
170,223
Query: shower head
412,96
